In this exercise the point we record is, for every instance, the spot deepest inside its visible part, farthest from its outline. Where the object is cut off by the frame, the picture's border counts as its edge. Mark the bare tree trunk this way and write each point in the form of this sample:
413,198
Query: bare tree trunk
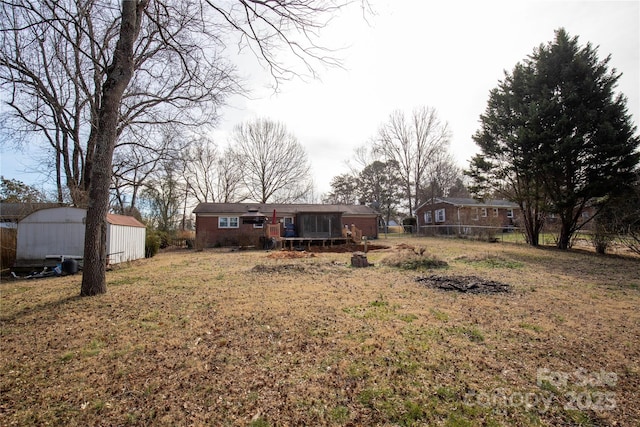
118,76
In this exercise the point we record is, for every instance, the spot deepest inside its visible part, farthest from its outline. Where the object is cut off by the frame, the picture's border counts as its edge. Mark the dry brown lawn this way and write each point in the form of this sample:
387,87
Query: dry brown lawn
288,339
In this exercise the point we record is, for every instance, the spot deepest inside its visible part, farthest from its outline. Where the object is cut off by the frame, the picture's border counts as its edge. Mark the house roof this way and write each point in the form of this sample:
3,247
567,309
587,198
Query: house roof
464,202
14,212
281,209
124,220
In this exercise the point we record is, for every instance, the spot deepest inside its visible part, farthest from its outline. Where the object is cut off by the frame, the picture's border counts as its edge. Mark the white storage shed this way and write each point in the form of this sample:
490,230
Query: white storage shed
60,231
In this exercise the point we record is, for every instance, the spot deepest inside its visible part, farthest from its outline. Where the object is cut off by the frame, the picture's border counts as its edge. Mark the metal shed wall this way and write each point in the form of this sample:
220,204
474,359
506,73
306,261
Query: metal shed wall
55,231
60,231
125,243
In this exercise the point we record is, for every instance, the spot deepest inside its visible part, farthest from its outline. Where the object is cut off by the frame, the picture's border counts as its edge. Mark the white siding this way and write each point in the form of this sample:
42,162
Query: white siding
125,243
55,231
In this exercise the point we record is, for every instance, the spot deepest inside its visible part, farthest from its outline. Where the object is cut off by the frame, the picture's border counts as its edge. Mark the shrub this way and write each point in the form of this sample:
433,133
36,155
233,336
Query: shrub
413,259
165,239
151,244
410,225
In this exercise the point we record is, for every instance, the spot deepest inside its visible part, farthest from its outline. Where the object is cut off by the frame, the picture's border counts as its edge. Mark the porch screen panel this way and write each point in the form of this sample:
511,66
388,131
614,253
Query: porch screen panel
319,225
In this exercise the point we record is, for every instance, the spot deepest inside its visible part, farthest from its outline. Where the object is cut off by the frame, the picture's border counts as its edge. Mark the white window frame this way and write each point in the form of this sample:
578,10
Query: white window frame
509,213
228,222
474,214
495,212
484,212
441,215
427,217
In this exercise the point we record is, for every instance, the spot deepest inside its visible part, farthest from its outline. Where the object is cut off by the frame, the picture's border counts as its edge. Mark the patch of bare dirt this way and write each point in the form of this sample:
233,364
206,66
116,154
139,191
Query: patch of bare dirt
290,255
466,284
346,248
281,268
404,246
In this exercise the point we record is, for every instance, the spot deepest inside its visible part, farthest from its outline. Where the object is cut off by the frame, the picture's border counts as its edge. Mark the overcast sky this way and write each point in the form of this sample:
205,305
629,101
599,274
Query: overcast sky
442,54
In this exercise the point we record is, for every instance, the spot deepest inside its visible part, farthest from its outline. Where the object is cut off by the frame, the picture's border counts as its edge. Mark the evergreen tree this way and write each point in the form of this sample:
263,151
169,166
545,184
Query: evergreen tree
556,136
509,143
343,190
379,186
14,191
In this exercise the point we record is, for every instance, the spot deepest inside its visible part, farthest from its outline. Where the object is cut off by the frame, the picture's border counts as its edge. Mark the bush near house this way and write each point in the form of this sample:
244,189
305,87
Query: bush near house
152,243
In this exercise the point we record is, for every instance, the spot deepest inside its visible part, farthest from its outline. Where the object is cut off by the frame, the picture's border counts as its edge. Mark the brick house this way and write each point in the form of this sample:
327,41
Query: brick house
243,224
450,215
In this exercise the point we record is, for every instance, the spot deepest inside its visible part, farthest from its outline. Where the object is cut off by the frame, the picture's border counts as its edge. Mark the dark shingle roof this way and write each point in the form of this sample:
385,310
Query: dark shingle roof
462,201
14,212
281,209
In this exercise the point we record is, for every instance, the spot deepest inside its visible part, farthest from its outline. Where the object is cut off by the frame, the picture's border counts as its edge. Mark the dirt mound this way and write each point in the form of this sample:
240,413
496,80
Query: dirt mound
403,246
290,255
466,284
346,248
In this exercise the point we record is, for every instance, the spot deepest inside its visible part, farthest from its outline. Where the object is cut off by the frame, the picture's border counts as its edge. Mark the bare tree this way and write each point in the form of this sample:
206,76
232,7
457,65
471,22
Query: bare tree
164,194
413,143
212,176
131,36
201,159
441,176
363,155
55,56
275,167
230,188
136,158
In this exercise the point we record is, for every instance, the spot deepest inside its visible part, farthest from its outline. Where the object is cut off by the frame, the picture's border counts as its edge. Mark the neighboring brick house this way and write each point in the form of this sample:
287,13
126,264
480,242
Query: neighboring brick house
585,222
232,224
450,215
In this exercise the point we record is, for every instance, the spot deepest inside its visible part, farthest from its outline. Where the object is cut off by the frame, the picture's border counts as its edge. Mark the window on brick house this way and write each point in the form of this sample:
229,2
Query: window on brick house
228,222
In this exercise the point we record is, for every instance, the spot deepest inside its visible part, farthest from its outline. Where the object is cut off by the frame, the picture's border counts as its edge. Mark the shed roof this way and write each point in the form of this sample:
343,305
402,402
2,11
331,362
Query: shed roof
282,209
128,221
21,211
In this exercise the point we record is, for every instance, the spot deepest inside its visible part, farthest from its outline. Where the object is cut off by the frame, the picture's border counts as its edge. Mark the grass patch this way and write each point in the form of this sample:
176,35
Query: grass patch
93,348
438,314
531,327
196,338
490,261
339,414
471,332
